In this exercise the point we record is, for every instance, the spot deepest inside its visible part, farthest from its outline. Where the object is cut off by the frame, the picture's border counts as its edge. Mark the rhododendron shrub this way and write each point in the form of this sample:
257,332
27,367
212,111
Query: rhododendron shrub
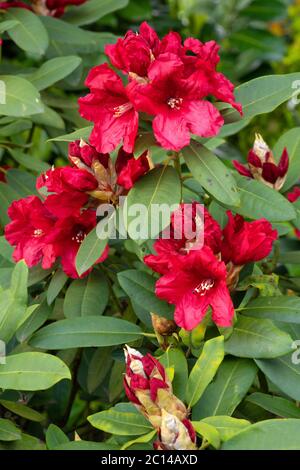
149,264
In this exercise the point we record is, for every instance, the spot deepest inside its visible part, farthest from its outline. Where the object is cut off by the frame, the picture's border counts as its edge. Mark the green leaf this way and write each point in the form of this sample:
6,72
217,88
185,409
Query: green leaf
176,359
92,11
208,432
53,70
290,140
55,437
6,25
227,426
13,302
281,308
21,181
272,434
6,249
88,296
18,97
29,161
161,186
257,338
35,321
205,369
22,410
258,199
85,332
290,257
83,133
56,284
86,445
120,423
139,440
26,442
99,366
32,371
16,127
283,373
223,395
8,431
49,118
29,33
89,251
264,94
7,196
140,287
211,173
276,405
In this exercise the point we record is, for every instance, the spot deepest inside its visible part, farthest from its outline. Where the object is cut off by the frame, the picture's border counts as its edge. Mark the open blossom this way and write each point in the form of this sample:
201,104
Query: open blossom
109,107
175,102
246,242
191,226
45,231
194,283
28,231
262,166
67,235
148,387
166,79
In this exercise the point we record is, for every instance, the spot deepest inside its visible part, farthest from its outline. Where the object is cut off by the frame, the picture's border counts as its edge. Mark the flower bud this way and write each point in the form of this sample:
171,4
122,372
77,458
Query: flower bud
262,165
163,326
147,386
175,434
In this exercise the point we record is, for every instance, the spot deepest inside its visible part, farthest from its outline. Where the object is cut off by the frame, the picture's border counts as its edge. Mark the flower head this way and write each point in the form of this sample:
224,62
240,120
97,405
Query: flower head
109,107
29,229
262,166
194,283
191,227
67,235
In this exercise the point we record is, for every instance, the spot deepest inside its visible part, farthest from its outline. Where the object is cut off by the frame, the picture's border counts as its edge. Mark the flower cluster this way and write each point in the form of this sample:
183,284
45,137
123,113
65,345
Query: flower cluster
262,165
195,278
54,227
42,7
167,80
147,386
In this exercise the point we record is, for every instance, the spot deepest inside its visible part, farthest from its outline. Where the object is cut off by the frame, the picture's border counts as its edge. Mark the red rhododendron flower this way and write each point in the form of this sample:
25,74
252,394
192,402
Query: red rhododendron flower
294,195
176,104
108,106
262,166
67,236
135,52
29,229
195,282
166,79
182,236
246,242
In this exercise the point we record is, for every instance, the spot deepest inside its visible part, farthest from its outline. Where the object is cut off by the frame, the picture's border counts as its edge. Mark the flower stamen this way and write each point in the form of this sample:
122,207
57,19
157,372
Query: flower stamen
122,109
204,287
175,103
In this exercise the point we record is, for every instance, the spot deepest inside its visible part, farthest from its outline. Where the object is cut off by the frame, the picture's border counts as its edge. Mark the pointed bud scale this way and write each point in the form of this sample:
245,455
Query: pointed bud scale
262,165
